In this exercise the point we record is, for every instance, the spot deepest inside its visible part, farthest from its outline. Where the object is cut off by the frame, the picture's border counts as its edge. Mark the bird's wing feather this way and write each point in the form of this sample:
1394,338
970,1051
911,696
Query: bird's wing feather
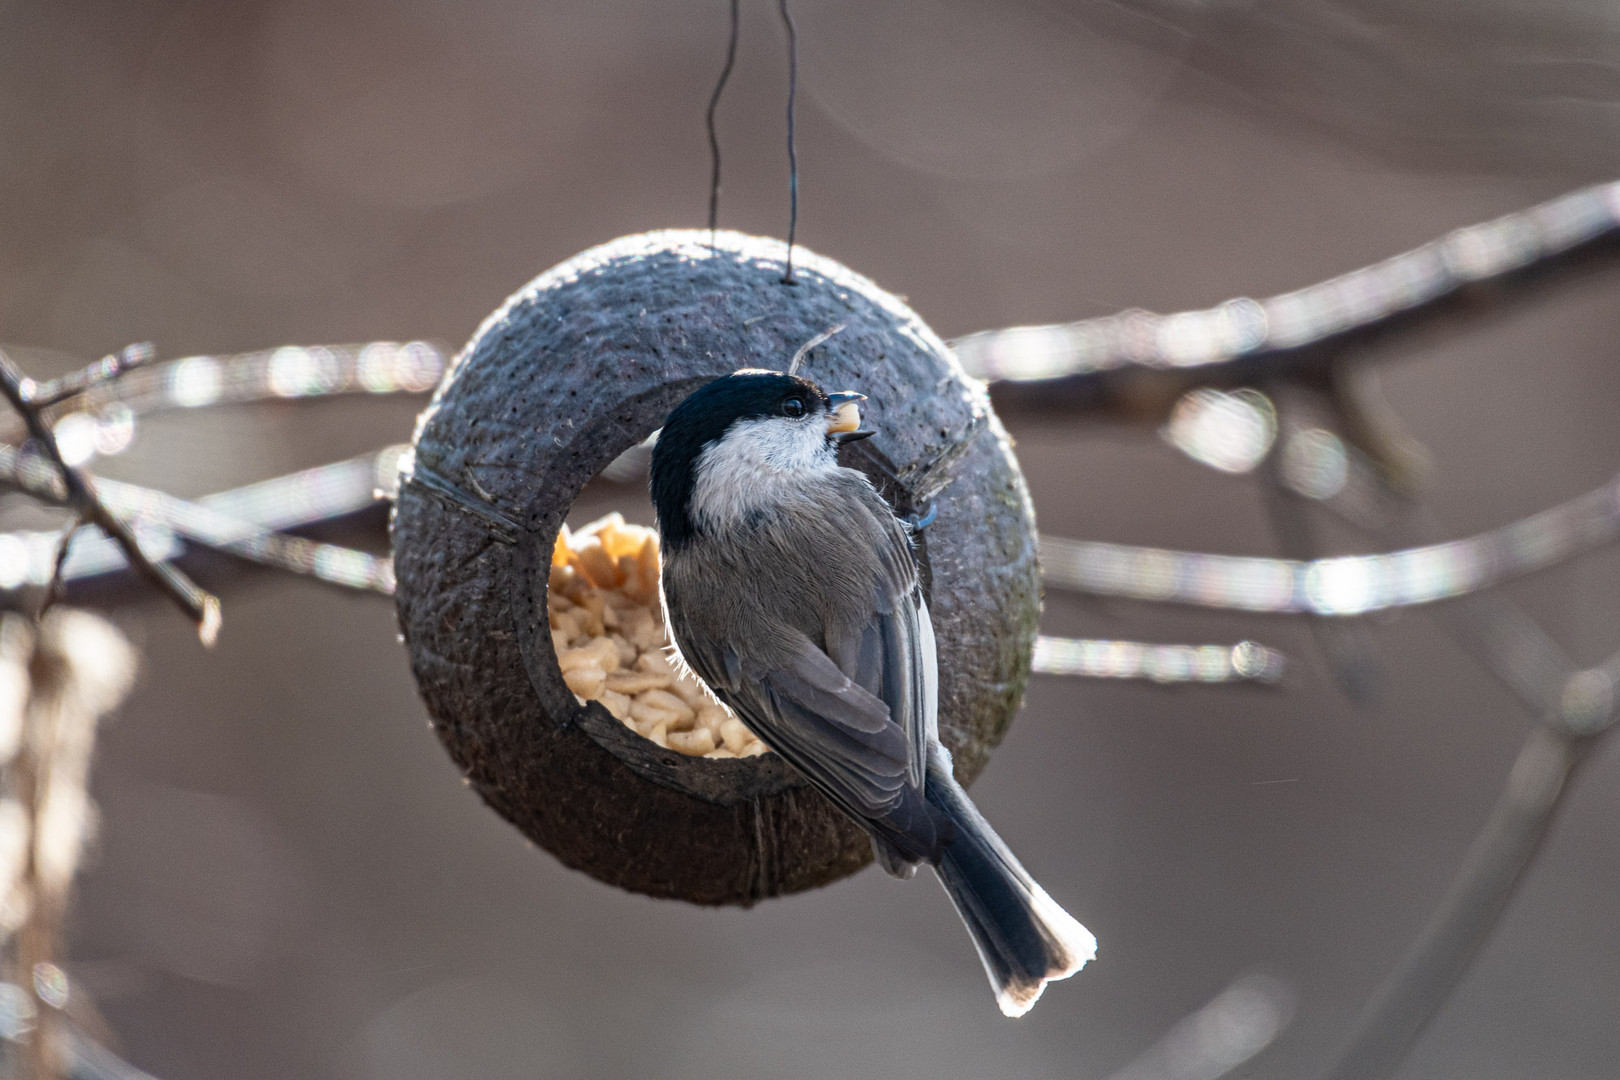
856,718
892,655
828,727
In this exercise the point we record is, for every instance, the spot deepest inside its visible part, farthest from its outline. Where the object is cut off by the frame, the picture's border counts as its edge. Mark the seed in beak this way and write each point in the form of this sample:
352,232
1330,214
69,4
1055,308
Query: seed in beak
846,417
844,413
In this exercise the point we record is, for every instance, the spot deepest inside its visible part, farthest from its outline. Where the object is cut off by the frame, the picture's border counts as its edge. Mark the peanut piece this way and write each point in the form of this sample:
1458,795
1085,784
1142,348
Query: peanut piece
692,742
599,654
636,682
604,600
644,629
647,555
617,704
663,699
630,576
611,520
599,567
655,662
735,734
651,715
585,681
691,693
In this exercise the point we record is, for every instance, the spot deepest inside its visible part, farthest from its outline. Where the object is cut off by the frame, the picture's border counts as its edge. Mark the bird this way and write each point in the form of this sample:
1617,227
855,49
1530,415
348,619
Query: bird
790,589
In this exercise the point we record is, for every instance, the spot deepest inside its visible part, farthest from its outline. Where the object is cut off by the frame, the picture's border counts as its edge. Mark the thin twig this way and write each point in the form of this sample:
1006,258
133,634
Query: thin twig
105,370
203,524
1500,637
201,606
1346,645
57,586
804,350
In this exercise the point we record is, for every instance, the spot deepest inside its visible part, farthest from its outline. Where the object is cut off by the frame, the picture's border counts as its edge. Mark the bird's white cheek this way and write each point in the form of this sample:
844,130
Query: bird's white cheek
758,466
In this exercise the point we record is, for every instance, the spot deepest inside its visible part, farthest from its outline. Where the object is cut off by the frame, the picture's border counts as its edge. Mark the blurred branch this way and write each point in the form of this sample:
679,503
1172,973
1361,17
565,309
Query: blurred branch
61,674
288,373
81,1057
1423,981
1236,1025
1136,363
103,371
1341,586
247,523
58,583
1346,645
1575,706
231,522
89,1060
80,495
1247,661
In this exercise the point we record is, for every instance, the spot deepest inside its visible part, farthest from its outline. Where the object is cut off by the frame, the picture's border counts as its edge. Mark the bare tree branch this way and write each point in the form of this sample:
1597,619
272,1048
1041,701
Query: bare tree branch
1341,586
1346,645
105,370
202,607
1422,982
1133,365
224,522
1247,661
58,583
288,373
1575,707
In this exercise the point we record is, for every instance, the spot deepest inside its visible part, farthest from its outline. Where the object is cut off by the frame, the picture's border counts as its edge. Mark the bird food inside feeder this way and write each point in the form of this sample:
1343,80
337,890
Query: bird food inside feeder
607,625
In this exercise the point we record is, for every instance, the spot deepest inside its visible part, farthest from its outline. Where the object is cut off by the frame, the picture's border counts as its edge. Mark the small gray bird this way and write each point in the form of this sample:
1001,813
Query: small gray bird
791,591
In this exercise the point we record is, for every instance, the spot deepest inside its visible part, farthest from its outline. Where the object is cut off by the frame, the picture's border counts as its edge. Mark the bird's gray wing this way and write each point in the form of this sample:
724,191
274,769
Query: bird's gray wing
892,655
857,717
831,729
825,725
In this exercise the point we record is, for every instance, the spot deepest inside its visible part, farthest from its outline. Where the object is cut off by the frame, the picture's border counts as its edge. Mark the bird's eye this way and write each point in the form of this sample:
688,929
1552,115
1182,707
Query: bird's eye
793,407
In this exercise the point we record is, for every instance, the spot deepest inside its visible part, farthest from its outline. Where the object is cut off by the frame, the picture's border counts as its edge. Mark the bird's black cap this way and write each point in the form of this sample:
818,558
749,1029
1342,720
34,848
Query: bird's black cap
703,418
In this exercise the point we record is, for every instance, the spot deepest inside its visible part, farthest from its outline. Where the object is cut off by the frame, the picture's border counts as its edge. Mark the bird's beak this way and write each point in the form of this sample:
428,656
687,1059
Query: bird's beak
843,412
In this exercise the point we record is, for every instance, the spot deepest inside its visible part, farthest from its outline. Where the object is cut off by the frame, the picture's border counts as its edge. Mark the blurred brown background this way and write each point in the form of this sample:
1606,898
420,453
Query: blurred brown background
291,880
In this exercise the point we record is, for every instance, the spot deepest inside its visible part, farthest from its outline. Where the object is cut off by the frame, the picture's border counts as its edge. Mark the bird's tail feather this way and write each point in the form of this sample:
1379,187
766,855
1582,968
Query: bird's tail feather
1024,938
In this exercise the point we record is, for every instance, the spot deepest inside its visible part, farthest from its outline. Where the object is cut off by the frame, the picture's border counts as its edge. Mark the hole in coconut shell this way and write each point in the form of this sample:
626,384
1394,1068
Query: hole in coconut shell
608,631
611,647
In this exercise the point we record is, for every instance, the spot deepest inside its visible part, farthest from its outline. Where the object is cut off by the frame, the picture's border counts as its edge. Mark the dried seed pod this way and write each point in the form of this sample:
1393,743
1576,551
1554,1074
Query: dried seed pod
575,369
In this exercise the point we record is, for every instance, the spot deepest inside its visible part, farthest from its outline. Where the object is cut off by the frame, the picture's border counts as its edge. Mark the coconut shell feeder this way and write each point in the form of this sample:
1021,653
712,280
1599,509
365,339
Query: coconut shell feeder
578,367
